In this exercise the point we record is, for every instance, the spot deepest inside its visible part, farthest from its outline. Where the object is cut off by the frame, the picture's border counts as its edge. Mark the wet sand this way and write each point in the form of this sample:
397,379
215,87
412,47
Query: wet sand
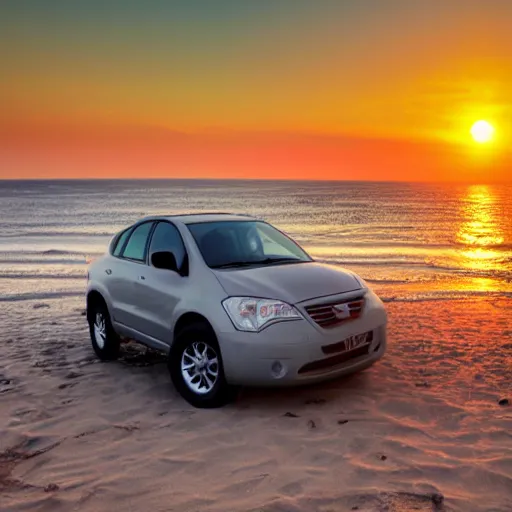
421,430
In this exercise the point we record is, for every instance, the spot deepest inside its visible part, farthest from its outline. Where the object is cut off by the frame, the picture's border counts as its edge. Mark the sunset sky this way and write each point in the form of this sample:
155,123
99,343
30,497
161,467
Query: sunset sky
293,89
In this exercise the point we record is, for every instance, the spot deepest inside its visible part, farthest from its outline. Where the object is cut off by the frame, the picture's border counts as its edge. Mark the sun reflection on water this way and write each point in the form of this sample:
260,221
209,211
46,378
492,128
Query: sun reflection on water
480,232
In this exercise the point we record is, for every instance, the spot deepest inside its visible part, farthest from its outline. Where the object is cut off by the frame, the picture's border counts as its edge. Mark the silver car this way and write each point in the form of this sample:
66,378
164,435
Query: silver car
233,301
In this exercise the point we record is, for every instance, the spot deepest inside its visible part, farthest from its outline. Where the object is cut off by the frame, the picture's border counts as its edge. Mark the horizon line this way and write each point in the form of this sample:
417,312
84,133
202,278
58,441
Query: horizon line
286,180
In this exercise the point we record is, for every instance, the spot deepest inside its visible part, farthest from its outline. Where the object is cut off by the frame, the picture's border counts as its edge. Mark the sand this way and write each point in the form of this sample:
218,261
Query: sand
421,430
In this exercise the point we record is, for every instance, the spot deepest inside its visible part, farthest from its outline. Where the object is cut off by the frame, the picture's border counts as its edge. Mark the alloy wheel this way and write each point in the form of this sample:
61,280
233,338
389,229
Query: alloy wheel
200,367
100,330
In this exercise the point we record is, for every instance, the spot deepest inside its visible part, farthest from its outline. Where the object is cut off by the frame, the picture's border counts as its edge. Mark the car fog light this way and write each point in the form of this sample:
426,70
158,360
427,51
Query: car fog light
278,370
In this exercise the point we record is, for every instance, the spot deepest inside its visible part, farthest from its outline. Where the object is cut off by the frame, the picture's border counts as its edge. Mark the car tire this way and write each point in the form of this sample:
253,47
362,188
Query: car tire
104,339
195,366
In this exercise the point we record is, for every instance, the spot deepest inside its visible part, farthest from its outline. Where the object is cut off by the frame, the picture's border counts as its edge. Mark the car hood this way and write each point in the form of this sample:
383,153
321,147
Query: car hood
291,283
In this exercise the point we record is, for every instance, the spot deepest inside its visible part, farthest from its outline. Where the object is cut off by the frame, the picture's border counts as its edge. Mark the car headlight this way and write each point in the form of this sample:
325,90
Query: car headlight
253,314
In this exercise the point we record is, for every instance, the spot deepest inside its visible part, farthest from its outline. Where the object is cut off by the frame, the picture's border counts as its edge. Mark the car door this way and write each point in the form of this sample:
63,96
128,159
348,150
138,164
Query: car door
159,290
114,269
130,262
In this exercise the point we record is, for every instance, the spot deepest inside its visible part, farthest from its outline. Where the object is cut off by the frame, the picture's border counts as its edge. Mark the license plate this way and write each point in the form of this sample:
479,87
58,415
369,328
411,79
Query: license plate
355,341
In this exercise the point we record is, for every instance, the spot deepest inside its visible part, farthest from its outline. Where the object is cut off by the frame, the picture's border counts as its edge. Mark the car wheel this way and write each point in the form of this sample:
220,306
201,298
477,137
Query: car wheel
104,339
195,365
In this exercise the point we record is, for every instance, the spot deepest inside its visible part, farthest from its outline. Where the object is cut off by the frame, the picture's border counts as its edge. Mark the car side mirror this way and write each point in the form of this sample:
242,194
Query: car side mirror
164,260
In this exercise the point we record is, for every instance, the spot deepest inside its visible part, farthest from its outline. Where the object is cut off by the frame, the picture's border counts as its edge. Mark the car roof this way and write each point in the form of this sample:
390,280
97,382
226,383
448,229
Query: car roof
191,218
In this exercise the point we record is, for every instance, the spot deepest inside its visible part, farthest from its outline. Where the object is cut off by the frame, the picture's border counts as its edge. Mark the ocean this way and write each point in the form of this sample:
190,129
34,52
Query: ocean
410,241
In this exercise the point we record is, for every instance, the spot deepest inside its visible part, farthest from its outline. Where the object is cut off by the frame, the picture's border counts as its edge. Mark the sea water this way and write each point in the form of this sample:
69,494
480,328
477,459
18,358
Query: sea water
410,241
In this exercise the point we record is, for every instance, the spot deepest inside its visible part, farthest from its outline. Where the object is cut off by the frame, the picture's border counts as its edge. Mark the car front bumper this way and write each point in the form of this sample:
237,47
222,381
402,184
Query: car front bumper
300,352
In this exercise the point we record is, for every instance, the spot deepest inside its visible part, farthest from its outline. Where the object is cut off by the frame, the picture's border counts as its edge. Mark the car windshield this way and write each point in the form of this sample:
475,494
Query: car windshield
227,244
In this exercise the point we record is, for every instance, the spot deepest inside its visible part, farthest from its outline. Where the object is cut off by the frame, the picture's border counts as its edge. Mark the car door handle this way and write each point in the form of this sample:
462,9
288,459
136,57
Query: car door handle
108,271
142,278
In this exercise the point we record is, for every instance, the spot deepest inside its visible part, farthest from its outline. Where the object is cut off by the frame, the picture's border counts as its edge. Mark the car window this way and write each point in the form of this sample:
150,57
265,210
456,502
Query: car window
120,242
166,237
136,246
229,242
274,244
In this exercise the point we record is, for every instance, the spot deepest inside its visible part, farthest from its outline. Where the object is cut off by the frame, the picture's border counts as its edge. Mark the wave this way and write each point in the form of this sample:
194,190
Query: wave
372,262
50,252
309,235
388,281
60,252
56,234
22,275
428,266
461,271
418,270
43,262
40,296
427,297
445,295
51,256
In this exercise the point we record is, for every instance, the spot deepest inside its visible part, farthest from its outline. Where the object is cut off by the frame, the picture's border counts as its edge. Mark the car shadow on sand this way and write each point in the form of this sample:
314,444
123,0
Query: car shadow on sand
343,390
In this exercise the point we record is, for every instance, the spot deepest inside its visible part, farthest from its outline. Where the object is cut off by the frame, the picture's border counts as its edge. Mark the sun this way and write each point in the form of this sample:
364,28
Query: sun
482,131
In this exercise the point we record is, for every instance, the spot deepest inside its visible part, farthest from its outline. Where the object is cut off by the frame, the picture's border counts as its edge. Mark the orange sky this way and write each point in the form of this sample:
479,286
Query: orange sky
369,89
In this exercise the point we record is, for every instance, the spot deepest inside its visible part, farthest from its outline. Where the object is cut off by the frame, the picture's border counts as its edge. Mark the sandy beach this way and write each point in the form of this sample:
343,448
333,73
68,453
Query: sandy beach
421,430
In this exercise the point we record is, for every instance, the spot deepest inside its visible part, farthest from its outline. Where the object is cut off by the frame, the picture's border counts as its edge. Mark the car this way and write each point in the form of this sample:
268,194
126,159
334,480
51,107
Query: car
232,301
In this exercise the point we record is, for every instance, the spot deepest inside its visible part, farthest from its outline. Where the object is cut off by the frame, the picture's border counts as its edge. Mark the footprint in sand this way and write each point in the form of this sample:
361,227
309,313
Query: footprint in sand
5,384
73,375
41,306
316,401
291,489
67,385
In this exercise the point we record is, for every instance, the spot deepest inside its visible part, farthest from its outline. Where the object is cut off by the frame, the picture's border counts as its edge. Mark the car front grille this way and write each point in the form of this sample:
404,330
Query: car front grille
330,363
335,313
